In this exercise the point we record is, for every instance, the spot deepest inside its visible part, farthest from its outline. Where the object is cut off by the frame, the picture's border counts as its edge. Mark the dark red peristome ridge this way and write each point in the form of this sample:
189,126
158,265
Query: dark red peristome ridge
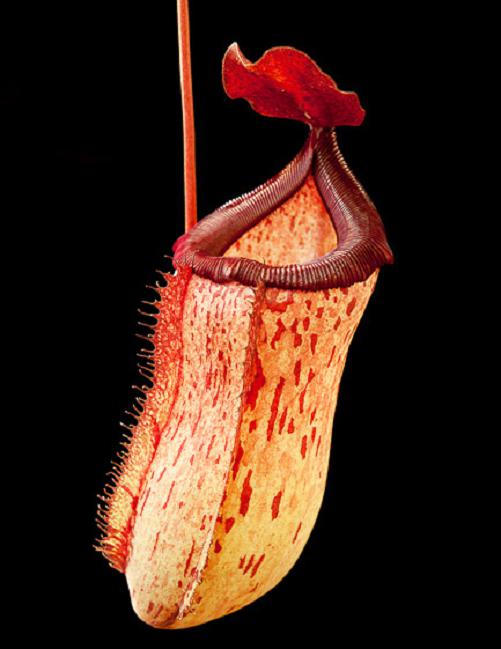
362,245
287,83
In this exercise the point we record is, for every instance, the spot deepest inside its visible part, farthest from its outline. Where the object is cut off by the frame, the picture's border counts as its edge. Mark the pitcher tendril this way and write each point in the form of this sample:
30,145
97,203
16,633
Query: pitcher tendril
190,173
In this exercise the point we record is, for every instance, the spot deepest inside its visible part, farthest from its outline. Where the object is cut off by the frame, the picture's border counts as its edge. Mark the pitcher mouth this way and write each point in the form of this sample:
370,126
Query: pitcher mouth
361,242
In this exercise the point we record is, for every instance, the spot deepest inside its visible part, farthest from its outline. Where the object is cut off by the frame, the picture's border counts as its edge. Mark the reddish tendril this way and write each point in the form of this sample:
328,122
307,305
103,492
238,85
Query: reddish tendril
190,175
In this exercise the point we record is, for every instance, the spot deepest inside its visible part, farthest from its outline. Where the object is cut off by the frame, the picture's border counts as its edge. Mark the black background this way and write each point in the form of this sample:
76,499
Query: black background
91,125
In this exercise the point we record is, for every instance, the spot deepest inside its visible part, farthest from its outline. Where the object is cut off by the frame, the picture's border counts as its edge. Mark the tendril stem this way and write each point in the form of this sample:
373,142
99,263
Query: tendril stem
190,174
